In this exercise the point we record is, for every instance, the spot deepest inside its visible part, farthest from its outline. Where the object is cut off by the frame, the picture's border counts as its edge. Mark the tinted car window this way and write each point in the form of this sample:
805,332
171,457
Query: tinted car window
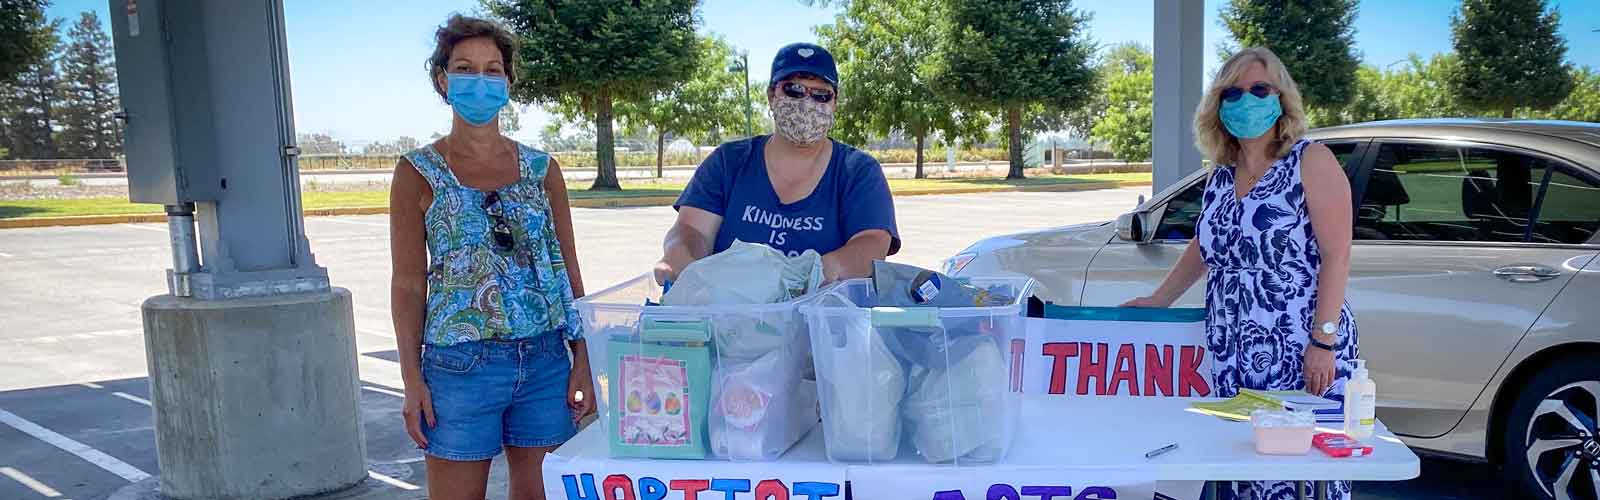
1570,210
1429,192
1183,211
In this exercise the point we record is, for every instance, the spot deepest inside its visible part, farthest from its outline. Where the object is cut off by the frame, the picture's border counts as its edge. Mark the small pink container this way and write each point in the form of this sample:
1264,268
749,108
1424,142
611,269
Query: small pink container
1283,432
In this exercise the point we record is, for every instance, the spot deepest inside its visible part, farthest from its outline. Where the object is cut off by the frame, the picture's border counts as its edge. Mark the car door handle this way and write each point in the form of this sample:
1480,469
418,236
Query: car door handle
1527,274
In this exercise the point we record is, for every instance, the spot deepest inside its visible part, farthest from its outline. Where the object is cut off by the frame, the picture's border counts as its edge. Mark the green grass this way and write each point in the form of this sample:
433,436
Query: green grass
577,191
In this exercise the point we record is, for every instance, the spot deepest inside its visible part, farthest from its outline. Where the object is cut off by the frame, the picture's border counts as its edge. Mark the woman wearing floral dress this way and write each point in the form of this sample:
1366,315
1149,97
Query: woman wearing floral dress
1273,241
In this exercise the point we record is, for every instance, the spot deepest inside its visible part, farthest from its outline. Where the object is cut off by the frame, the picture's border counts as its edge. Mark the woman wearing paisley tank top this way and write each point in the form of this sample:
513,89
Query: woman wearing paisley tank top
485,274
1273,241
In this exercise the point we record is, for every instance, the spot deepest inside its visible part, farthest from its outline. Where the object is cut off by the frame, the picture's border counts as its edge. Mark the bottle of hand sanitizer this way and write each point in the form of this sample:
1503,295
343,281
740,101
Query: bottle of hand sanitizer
1360,403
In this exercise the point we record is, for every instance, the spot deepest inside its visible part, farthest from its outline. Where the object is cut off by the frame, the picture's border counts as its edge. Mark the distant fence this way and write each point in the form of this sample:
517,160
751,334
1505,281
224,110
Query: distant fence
14,168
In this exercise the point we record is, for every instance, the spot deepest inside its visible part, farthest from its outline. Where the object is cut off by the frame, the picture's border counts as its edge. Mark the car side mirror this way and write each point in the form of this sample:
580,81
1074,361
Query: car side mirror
1133,226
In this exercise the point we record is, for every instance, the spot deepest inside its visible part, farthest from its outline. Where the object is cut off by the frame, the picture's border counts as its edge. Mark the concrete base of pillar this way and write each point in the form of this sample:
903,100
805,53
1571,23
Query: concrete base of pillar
255,398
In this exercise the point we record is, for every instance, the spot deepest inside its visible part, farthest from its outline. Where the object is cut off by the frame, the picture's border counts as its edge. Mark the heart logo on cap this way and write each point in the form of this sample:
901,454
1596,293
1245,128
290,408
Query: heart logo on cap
806,52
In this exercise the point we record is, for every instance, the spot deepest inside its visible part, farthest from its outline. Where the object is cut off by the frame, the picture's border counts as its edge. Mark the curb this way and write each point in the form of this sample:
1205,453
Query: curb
616,202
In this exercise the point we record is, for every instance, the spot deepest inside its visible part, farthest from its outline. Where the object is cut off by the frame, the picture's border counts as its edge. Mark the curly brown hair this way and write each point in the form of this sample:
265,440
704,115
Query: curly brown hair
460,28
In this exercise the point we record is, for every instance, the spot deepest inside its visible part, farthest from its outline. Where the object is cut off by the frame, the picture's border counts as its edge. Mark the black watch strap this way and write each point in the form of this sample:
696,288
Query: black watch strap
1320,345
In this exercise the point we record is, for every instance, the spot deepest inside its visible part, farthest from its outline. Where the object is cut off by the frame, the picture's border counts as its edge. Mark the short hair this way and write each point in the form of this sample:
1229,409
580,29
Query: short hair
1214,140
459,28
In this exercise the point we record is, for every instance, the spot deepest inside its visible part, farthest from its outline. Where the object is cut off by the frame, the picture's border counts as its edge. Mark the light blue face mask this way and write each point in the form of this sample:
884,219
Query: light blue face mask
1251,116
477,98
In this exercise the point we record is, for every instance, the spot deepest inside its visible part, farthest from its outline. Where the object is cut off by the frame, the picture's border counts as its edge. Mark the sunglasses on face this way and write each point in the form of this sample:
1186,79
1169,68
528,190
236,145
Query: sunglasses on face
798,91
498,229
1259,89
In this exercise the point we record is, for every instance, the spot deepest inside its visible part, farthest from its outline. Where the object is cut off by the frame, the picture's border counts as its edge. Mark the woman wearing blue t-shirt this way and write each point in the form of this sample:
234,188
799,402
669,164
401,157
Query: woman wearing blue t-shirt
794,190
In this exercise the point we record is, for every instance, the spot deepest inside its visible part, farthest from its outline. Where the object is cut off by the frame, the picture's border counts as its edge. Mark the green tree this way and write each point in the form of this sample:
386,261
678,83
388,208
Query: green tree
701,108
510,118
88,93
1509,56
1314,38
884,49
596,52
320,144
1007,55
31,104
1583,104
1126,124
22,41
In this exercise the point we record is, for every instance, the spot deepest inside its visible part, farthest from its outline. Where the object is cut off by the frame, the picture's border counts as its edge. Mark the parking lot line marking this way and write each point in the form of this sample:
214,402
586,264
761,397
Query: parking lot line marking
83,451
393,482
384,225
31,483
381,390
158,229
92,385
132,398
411,460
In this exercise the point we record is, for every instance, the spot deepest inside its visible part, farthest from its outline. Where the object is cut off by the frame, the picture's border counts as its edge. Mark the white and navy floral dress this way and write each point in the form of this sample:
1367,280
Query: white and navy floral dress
1261,295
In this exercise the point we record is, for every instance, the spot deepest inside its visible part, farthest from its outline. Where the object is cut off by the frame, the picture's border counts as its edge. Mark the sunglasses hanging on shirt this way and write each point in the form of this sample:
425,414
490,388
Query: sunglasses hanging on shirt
499,231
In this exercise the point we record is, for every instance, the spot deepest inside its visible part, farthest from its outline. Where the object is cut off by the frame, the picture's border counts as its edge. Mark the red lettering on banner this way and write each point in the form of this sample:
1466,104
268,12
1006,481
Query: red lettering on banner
1058,369
1189,379
1125,369
1157,370
1092,364
1019,348
691,488
616,482
771,489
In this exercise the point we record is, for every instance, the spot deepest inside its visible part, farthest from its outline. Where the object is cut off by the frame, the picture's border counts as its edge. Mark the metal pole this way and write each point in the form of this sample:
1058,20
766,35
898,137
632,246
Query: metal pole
744,63
185,255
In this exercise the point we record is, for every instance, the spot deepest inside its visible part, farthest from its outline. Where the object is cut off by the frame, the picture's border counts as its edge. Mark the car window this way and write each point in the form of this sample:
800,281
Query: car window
1570,210
1183,211
1431,192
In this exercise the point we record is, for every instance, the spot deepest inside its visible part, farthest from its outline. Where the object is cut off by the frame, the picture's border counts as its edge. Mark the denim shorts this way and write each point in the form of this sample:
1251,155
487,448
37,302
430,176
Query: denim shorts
493,393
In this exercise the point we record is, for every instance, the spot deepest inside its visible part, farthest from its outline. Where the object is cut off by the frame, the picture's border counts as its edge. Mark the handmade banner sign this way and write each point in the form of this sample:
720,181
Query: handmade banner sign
1117,352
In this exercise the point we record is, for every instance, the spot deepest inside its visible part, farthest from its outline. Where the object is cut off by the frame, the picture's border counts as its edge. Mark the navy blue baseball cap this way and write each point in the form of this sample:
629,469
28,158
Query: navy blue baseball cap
804,58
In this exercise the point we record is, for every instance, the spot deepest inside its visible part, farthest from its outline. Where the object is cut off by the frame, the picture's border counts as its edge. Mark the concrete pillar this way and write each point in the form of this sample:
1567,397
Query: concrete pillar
255,398
1179,60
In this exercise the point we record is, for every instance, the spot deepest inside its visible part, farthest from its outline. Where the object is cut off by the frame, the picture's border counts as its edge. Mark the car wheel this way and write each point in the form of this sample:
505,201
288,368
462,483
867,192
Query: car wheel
1552,444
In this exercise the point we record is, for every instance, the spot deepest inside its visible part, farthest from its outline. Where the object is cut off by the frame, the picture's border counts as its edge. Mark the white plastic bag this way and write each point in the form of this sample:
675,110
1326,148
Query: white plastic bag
960,411
761,408
862,384
745,273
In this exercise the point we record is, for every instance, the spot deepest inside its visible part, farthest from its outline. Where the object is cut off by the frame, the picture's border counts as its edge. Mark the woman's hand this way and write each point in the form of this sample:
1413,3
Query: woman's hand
580,389
665,273
1147,301
417,410
1319,370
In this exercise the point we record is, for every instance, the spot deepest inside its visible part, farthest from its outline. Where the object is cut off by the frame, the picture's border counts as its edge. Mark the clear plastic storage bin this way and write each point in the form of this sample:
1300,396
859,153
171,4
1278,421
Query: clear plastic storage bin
901,383
695,382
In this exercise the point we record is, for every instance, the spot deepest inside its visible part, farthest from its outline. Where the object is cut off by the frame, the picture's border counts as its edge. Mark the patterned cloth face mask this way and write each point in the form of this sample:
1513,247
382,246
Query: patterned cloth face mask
801,121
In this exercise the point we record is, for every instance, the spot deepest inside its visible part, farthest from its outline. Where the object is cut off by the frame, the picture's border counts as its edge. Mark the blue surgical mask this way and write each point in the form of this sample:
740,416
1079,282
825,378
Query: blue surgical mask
477,98
1251,116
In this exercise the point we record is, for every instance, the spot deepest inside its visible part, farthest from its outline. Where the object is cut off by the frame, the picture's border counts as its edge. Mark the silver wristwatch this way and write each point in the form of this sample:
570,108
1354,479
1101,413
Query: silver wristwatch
1330,328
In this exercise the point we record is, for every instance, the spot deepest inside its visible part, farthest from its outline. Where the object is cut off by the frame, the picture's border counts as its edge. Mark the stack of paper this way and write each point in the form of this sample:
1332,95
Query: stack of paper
1239,407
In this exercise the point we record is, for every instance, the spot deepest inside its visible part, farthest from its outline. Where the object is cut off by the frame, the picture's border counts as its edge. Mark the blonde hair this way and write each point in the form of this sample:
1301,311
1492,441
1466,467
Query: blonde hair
1214,140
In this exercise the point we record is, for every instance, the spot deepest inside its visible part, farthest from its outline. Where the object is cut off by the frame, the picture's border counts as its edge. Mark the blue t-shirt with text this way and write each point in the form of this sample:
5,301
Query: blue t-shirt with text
852,197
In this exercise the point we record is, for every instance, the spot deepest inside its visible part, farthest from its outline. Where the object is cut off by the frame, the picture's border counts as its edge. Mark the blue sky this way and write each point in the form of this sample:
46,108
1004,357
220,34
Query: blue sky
357,65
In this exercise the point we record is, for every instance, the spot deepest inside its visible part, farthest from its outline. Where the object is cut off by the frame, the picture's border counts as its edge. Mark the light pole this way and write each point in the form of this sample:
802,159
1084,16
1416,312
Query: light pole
742,65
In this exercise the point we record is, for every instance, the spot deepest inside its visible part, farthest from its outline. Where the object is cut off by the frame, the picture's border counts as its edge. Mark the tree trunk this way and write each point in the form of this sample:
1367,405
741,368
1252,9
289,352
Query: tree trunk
1014,146
1506,111
605,146
661,151
920,139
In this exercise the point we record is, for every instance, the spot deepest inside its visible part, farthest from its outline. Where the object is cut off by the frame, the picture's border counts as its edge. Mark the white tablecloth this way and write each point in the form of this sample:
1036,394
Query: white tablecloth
1057,436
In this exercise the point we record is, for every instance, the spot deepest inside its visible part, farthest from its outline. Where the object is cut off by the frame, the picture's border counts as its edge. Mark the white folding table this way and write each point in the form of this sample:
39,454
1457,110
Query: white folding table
1055,435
